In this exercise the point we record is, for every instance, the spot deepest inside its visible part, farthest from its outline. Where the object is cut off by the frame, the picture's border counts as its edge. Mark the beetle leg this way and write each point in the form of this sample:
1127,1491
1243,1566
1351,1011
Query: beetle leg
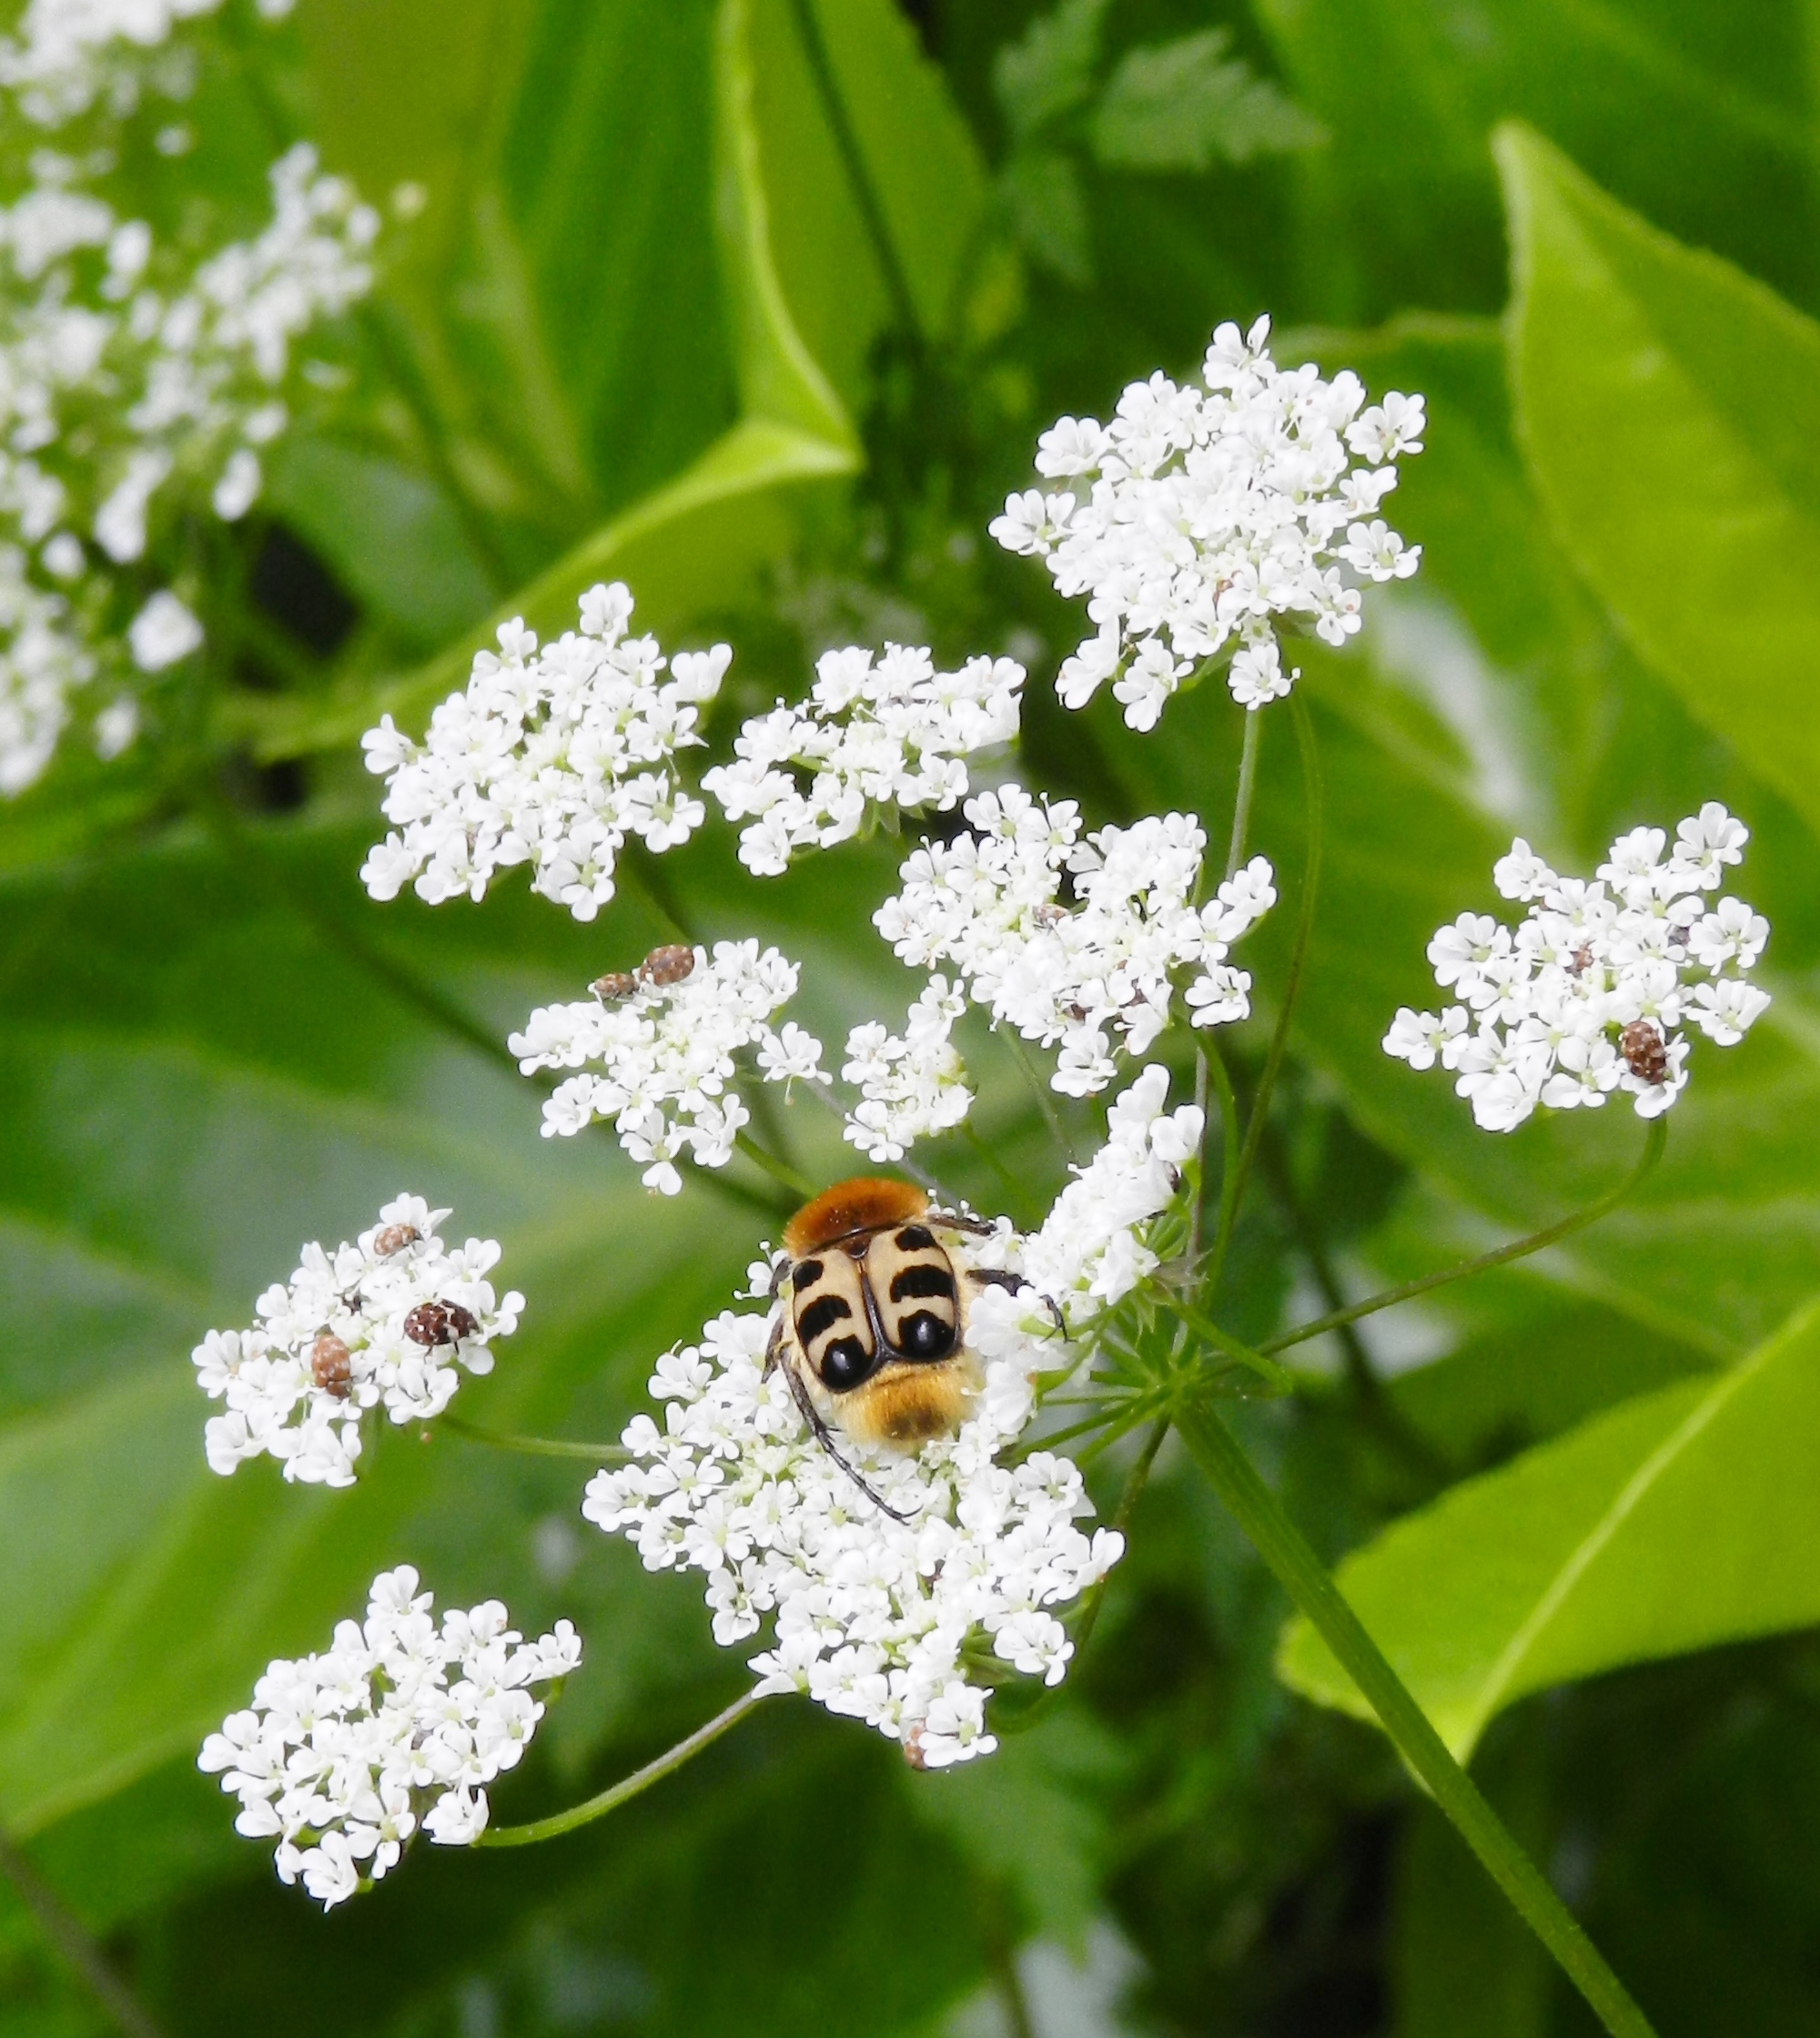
996,1277
823,1435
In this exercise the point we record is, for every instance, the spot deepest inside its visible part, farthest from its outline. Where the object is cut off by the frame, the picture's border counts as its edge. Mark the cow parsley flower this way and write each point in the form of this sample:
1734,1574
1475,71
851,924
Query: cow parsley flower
666,1047
1592,992
872,1617
1204,523
139,375
1076,974
396,1728
385,1322
552,757
891,735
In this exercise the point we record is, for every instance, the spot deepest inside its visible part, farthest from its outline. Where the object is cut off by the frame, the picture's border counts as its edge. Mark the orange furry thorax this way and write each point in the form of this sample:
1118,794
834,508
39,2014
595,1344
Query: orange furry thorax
866,1203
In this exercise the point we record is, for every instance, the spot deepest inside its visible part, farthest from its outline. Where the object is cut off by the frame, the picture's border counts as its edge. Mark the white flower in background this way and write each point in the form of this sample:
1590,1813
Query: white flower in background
891,735
665,1047
163,631
138,376
43,662
1093,977
552,757
396,1728
871,1617
383,1322
1592,992
1201,523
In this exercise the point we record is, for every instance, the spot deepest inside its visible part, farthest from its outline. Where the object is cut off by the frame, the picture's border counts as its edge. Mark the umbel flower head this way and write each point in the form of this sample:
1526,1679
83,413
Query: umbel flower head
1203,523
904,1624
893,736
384,1323
552,757
396,1728
136,373
1593,991
1093,972
665,1043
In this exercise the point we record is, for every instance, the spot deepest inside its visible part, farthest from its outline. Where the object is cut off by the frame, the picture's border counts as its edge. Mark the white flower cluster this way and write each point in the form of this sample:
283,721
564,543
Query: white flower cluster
1092,1250
552,757
890,735
666,1052
1590,993
384,1322
135,374
871,1617
1213,516
399,1727
912,1085
63,55
1074,976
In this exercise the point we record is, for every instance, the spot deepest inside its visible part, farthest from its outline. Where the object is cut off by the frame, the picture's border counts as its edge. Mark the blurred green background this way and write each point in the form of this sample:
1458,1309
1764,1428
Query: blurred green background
760,305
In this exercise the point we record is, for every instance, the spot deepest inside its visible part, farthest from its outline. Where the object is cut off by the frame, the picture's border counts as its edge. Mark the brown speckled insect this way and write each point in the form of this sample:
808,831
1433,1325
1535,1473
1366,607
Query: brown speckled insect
876,1285
1645,1051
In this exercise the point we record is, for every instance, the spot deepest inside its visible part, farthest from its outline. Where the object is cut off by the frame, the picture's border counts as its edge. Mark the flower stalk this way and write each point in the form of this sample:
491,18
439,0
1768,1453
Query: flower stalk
627,1787
1280,1543
1518,1249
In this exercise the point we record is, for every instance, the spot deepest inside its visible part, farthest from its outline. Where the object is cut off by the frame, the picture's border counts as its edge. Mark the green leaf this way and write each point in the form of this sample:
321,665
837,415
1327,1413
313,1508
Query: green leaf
919,162
1675,1521
183,1144
1040,190
1184,105
1669,407
1049,71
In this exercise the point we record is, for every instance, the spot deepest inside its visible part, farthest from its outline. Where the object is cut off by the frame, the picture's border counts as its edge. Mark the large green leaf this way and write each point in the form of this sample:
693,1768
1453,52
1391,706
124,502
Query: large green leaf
1676,1521
1700,115
1670,407
168,1150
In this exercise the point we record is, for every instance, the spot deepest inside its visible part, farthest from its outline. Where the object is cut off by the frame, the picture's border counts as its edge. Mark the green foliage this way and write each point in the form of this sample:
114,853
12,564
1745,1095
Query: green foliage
1675,1521
759,305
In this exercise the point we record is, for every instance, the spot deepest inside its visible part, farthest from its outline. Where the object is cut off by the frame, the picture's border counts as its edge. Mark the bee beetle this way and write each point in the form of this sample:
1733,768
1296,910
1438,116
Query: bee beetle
875,1314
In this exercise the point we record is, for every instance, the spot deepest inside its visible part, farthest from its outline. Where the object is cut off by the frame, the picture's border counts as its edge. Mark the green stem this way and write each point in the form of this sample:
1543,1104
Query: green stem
66,1932
1277,1377
778,1170
1312,796
1257,1511
1518,1249
627,1787
536,1447
1045,1103
1248,779
1214,1062
859,177
398,359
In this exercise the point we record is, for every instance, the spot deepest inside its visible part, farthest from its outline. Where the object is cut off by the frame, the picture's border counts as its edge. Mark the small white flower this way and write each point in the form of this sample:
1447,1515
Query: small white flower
1204,520
401,1725
553,755
162,633
1588,995
384,1323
